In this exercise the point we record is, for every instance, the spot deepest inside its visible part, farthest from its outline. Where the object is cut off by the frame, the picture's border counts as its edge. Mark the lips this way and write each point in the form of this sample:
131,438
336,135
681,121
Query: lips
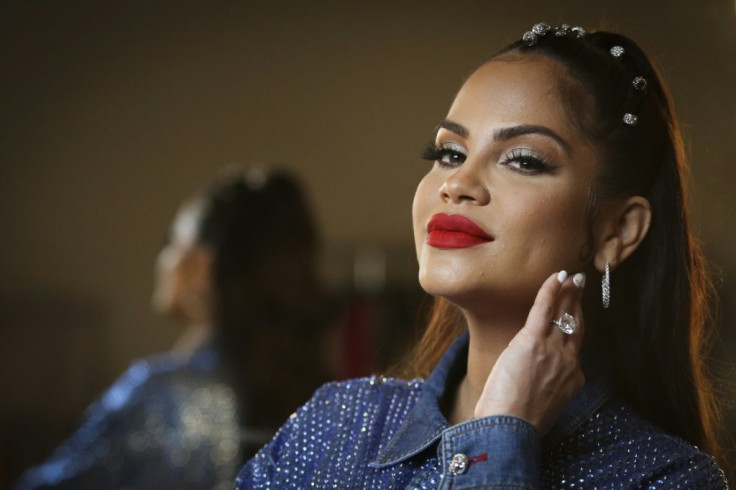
455,231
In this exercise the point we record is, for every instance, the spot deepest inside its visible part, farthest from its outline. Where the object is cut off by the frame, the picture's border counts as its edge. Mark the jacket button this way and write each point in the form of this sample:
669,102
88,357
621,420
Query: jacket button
459,464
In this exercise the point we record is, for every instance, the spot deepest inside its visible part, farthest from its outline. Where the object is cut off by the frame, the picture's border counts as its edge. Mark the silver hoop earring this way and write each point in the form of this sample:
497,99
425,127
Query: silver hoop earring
606,286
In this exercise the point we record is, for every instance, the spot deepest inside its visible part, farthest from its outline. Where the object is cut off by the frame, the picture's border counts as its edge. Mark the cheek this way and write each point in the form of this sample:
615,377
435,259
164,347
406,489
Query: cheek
425,197
162,291
553,225
169,273
162,269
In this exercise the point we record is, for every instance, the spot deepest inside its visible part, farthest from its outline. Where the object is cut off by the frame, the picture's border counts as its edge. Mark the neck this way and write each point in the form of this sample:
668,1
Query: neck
488,339
191,339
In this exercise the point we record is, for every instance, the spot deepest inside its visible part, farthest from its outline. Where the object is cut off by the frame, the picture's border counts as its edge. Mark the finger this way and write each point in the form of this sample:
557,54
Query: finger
570,302
537,322
576,339
565,302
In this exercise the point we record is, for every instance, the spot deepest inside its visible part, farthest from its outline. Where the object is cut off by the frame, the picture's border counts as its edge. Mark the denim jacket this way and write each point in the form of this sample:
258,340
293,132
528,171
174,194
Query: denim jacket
166,422
387,433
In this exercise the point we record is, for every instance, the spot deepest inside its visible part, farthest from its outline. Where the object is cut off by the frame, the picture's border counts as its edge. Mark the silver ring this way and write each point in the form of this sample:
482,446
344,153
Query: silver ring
567,323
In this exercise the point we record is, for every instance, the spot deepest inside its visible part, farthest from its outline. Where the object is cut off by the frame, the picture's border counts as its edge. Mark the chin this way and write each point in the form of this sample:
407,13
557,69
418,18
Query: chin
453,286
474,292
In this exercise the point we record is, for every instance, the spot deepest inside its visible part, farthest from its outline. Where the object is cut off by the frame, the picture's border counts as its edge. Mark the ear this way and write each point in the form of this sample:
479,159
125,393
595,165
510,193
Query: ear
621,228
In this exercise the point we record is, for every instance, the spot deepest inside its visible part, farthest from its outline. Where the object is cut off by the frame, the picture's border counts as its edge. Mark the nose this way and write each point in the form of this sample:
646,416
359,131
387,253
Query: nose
465,185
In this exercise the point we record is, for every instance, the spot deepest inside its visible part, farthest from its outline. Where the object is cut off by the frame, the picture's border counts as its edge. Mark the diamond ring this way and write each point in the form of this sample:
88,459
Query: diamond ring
567,323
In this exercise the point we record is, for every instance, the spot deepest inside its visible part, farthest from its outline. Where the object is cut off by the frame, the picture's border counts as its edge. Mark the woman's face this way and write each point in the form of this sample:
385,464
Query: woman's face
508,159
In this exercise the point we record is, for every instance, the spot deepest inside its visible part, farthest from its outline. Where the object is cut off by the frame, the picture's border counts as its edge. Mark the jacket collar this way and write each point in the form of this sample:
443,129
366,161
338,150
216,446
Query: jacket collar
425,422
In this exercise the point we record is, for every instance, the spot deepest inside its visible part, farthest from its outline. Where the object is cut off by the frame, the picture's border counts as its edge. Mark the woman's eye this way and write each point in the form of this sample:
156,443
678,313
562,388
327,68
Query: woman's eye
450,158
444,157
526,163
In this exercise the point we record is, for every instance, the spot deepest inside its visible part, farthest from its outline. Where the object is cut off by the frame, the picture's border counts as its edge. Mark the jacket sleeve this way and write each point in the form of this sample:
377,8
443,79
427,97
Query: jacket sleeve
261,470
491,452
282,459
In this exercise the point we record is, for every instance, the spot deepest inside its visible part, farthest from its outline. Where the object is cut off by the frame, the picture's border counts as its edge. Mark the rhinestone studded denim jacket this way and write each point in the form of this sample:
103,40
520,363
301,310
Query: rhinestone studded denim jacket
386,433
165,423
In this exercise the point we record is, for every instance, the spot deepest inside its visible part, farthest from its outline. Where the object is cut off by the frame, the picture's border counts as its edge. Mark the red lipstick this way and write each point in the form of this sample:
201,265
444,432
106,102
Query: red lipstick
455,231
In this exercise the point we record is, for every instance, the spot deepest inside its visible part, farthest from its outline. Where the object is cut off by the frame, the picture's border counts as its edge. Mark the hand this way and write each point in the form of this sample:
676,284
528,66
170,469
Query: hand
538,374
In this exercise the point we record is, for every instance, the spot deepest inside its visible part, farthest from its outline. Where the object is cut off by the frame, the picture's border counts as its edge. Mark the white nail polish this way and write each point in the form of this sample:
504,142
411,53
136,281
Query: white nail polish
579,279
561,276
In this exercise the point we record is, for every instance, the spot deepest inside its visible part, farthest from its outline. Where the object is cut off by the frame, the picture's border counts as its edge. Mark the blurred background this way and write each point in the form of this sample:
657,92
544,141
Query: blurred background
115,112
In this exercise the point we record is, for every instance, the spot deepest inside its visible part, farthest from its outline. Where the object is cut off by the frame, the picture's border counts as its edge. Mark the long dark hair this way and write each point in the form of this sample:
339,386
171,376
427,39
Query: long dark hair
267,300
661,317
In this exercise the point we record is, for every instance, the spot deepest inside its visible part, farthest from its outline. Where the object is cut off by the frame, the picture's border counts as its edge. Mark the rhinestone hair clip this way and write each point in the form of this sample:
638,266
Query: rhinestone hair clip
639,83
541,30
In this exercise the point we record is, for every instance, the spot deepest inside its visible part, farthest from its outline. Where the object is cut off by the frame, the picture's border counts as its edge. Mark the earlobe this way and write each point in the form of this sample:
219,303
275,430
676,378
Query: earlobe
625,226
608,253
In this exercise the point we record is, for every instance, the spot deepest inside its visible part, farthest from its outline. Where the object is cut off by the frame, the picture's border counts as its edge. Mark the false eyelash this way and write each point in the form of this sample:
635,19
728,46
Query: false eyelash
540,163
431,152
438,155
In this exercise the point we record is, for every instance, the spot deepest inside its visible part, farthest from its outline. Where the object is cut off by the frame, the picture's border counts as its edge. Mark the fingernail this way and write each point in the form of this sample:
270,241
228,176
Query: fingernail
561,276
579,279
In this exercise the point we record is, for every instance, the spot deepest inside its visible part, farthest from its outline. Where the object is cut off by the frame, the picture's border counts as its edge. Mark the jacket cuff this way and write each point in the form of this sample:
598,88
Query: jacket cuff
501,451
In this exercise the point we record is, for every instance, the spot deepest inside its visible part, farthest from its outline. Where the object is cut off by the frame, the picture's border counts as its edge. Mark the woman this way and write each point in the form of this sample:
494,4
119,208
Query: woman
244,284
559,154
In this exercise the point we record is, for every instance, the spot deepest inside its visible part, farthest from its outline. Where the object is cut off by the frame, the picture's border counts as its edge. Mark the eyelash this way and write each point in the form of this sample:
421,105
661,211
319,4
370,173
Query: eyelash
437,154
530,162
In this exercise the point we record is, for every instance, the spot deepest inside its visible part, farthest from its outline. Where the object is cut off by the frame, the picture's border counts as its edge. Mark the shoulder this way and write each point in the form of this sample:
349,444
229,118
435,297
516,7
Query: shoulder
366,399
354,418
373,390
373,398
618,444
159,377
158,390
144,428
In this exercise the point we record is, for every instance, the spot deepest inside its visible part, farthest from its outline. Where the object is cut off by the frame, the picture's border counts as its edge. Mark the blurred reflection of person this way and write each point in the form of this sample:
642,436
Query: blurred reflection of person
239,271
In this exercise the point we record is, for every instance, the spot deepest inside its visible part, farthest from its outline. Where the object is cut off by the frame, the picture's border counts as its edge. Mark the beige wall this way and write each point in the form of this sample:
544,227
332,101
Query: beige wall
112,114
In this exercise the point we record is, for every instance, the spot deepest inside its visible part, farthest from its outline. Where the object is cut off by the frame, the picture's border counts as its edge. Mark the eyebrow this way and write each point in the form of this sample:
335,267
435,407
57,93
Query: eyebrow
505,134
456,128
